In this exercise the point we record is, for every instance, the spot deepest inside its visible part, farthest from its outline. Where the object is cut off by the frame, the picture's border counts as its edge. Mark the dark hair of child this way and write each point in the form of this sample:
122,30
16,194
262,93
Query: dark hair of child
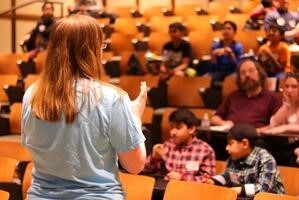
185,116
177,26
276,26
243,131
232,24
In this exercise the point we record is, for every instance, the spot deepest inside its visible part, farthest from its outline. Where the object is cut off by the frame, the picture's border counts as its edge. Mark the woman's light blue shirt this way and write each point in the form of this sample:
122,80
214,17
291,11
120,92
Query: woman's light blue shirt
79,160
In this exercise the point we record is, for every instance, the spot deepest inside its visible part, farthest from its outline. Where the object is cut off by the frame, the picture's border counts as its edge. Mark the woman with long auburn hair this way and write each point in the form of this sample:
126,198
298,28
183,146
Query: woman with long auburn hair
286,122
77,127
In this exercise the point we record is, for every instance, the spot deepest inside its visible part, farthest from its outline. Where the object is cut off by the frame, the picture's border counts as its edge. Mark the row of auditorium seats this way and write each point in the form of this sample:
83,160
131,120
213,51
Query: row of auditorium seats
142,187
201,42
199,29
131,26
191,190
193,91
185,9
199,33
14,169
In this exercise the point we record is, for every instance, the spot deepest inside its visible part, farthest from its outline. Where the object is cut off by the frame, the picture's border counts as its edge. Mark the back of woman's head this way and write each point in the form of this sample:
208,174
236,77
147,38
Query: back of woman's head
74,52
75,47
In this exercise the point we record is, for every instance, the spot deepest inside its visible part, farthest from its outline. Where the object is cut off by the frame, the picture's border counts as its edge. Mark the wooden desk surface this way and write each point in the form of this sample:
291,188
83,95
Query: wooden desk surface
224,130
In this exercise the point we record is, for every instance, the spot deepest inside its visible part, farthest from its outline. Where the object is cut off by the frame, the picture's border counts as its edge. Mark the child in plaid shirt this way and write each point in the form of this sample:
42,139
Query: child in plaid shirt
184,156
250,169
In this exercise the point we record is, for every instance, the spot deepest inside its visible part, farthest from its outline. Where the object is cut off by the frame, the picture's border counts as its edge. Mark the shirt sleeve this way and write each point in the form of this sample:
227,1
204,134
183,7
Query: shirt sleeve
224,178
266,179
125,130
275,104
207,168
222,110
215,45
239,50
285,57
187,50
268,19
25,113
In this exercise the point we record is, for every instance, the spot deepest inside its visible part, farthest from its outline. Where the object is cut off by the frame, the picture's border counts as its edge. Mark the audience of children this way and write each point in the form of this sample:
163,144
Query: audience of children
248,112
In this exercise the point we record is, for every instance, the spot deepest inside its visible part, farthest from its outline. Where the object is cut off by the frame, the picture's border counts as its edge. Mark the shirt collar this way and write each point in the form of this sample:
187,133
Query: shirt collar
251,158
181,147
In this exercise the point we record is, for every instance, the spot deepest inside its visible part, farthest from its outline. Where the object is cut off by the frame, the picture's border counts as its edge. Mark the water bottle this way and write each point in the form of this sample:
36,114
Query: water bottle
205,122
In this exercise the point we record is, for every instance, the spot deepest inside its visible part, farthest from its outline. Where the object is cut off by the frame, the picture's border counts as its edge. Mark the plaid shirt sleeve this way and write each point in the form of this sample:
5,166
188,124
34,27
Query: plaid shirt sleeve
223,178
207,168
267,175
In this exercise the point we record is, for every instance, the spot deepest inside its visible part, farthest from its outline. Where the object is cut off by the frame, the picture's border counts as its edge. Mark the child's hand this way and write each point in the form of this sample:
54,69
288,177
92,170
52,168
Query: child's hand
138,105
174,175
228,124
158,151
228,50
218,52
237,189
209,181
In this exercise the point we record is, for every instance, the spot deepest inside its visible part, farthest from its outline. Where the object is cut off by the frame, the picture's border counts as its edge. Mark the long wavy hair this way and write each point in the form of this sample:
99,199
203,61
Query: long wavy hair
74,52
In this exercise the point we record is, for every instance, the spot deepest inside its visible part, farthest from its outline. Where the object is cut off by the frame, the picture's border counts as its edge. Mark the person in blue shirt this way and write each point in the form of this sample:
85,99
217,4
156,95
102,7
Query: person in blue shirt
225,52
77,127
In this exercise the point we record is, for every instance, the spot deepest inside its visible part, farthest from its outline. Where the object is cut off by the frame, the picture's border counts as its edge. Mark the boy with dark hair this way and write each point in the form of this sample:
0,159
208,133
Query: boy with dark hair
275,56
184,156
225,52
177,53
250,169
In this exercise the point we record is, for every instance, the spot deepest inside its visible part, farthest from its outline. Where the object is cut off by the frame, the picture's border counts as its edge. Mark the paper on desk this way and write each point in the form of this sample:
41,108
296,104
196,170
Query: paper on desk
222,128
